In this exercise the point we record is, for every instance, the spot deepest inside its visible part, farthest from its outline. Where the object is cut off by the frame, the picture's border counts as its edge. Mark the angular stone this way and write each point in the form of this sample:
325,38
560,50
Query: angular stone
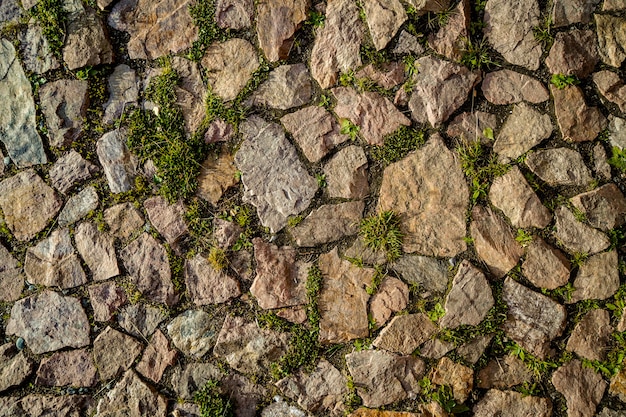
509,87
229,65
617,132
64,104
600,164
192,377
607,412
120,166
35,405
423,6
322,390
473,350
576,236
582,387
192,333
559,166
156,28
524,129
282,409
123,91
140,320
392,296
133,398
329,223
290,188
503,374
408,44
384,18
147,263
226,233
36,54
105,299
533,319
53,262
276,23
114,352
248,348
429,273
11,278
182,409
79,206
190,93
512,404
217,174
577,121
545,266
604,207
86,41
346,174
360,250
218,131
234,14
97,251
591,337
337,44
597,278
566,12
287,86
509,29
387,75
450,40
433,223
156,357
375,116
382,378
206,285
41,320
315,130
440,88
611,32
74,367
473,126
17,116
69,170
167,219
573,53
459,377
494,241
245,394
611,87
15,367
435,349
469,299
405,333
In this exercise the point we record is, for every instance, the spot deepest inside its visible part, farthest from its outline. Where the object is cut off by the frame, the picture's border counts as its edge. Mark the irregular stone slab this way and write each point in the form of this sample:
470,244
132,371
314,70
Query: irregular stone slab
226,233
617,132
123,91
600,164
53,262
494,241
582,387
114,352
140,320
248,348
604,207
459,377
509,29
384,18
105,299
566,12
440,88
290,188
337,44
190,93
435,349
329,223
392,296
369,256
509,87
609,5
472,351
433,223
11,278
607,412
573,53
611,87
97,251
502,374
229,65
245,394
382,378
10,12
156,357
133,398
512,194
17,116
408,44
287,86
611,32
35,405
342,302
147,263
533,320
74,367
15,366
86,41
206,285
450,40
387,75
192,333
423,6
79,206
280,280
315,130
155,28
35,50
41,320
69,170
234,14
120,166
322,390
277,21
545,266
591,337
64,104
375,116
473,126
559,166
193,376
282,409
429,273
576,236
346,174
217,174
469,299
577,121
513,404
405,333
167,218
524,129
597,278
218,131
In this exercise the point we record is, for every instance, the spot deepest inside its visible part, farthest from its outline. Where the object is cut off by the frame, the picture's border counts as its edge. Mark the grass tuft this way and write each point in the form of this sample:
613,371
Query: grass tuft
397,145
53,20
382,232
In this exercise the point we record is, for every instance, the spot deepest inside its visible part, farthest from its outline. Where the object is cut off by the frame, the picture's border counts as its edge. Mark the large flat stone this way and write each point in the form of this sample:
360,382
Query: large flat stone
73,367
384,18
582,387
576,236
512,404
206,285
524,129
578,121
133,398
120,166
597,278
405,333
114,352
508,87
545,266
15,367
229,66
611,31
97,250
64,104
559,166
329,223
276,22
604,207
11,278
287,86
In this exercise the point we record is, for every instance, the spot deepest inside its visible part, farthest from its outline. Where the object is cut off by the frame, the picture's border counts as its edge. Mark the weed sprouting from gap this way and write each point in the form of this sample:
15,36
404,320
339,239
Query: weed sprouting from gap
618,158
476,55
480,167
382,232
52,18
397,145
562,81
203,14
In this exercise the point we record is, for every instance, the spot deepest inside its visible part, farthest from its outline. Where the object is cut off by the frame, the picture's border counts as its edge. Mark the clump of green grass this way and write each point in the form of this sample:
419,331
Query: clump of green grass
397,145
562,81
53,20
217,258
543,33
480,167
476,55
349,128
203,14
618,158
523,237
211,402
382,232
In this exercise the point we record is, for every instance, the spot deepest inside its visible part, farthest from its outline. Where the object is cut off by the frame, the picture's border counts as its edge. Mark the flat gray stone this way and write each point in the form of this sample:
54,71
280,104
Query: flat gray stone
524,129
559,166
234,14
566,12
15,367
329,223
97,250
79,206
192,333
123,91
503,373
206,285
188,379
576,236
69,170
140,319
597,278
473,350
86,41
190,93
120,166
429,273
64,103
11,278
604,207
287,86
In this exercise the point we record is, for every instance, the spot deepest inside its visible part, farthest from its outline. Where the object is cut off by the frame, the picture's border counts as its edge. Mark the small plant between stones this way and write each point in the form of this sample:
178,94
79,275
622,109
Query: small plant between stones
382,232
211,402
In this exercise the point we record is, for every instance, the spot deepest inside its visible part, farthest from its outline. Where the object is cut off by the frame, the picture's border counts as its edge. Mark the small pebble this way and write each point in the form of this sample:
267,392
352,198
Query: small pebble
7,161
19,343
452,261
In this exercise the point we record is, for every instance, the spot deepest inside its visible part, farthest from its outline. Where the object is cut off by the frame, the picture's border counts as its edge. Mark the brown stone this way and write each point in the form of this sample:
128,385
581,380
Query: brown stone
156,357
509,87
559,166
74,367
329,223
473,350
582,387
524,129
119,165
114,352
450,40
392,296
472,127
277,21
97,250
85,41
190,93
611,87
123,220
591,337
217,174
15,367
611,32
286,87
459,377
346,174
207,285
576,236
577,121
405,333
64,104
387,75
604,207
384,18
545,266
573,53
234,14
618,386
133,398
140,319
566,12
167,219
512,404
105,299
502,374
229,65
597,278
11,278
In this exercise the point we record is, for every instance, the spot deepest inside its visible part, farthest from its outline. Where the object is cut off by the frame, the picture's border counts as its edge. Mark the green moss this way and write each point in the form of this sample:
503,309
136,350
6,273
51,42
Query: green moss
523,237
53,21
397,145
177,267
217,258
618,158
211,401
203,14
200,224
382,232
562,81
